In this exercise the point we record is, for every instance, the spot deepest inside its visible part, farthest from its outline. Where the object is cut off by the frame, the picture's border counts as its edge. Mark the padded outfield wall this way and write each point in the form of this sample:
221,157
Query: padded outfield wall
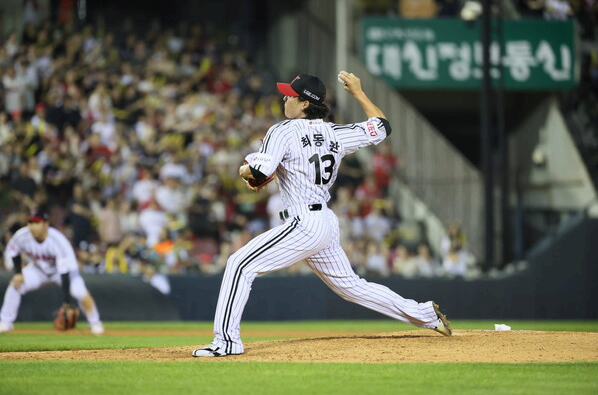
559,283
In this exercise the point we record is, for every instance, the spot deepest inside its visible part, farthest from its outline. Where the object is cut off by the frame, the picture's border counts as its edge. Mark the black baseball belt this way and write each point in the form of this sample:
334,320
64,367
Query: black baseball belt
284,214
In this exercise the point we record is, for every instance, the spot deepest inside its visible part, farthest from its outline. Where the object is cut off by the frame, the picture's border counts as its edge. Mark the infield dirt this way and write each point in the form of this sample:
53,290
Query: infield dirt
394,347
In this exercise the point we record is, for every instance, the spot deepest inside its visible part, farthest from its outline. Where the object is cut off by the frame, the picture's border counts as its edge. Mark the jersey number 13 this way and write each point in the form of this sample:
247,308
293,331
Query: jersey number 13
324,167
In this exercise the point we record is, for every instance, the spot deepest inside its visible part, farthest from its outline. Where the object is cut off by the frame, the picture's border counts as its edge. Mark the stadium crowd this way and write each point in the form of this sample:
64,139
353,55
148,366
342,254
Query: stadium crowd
132,137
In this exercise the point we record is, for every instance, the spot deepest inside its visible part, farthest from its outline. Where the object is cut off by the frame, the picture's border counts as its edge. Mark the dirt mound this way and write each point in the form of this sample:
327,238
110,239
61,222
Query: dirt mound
395,347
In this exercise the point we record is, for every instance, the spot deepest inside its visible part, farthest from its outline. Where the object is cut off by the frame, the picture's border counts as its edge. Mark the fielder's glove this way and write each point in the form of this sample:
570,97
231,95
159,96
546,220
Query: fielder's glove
66,317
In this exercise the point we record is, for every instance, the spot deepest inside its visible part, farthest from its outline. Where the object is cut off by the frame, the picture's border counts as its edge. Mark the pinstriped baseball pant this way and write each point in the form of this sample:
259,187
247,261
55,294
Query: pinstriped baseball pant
313,237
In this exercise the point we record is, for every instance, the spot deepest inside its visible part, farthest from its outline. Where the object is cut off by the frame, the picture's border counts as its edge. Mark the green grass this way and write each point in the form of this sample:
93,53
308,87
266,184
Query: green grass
199,376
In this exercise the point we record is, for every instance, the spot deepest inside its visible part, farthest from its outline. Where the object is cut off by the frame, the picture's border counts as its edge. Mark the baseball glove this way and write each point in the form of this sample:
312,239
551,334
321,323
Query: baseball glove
256,185
66,317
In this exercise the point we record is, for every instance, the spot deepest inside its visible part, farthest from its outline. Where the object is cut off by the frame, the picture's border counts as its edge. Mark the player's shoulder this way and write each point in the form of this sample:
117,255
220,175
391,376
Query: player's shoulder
22,233
282,125
56,234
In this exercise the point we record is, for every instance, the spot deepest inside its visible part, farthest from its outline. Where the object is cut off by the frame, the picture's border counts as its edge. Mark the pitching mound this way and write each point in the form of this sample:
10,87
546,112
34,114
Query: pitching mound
395,347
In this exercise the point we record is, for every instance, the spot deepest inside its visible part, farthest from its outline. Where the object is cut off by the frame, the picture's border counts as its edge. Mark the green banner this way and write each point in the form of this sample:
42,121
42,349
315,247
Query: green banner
447,53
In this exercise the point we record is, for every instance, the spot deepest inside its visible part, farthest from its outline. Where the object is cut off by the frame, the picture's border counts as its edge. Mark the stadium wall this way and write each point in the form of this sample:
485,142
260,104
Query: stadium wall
119,298
558,283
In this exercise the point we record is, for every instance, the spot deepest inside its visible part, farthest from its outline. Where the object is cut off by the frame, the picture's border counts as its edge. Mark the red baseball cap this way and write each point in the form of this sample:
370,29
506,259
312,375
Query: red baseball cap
38,215
305,86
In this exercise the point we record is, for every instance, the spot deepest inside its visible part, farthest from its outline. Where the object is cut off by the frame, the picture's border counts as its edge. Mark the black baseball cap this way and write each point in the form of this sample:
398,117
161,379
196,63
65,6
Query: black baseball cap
38,214
305,86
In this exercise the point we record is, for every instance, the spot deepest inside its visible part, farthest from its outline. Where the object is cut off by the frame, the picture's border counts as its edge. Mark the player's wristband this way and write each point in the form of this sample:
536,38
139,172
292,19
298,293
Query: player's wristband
66,287
386,125
17,264
258,175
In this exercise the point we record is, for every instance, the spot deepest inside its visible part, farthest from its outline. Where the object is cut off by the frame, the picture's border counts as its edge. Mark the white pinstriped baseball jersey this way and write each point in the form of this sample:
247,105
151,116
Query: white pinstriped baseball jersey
306,155
53,255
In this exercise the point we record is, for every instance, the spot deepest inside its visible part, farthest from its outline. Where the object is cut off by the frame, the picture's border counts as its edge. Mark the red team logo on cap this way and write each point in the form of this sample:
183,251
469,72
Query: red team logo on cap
372,129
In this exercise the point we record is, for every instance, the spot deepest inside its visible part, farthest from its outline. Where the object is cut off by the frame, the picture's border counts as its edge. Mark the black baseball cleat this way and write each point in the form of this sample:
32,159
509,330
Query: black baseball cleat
443,326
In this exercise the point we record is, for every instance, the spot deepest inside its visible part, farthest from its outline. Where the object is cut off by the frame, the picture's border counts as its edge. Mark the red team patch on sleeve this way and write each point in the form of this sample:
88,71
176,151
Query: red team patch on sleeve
372,129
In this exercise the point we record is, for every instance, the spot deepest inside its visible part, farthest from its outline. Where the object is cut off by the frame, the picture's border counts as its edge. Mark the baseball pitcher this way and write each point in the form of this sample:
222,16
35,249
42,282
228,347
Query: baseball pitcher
305,153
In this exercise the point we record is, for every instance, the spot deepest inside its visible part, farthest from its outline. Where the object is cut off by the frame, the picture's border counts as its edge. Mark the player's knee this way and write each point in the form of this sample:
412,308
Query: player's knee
79,294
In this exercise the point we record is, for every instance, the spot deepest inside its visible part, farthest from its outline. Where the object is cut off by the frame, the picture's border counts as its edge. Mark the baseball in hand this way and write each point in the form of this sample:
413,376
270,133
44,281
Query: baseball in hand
340,81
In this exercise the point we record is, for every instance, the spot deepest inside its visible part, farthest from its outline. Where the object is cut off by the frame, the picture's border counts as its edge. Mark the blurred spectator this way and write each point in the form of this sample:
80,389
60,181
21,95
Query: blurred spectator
356,254
376,261
218,263
357,227
155,279
404,264
377,224
23,186
109,222
12,44
153,221
137,252
27,74
455,257
105,128
350,174
34,170
557,10
172,254
129,217
384,165
79,216
548,9
427,265
367,193
30,13
13,93
144,189
202,218
111,236
173,198
174,168
90,257
6,129
454,263
454,240
100,103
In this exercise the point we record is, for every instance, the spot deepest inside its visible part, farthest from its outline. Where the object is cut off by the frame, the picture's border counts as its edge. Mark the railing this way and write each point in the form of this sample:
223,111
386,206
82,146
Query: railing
438,174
